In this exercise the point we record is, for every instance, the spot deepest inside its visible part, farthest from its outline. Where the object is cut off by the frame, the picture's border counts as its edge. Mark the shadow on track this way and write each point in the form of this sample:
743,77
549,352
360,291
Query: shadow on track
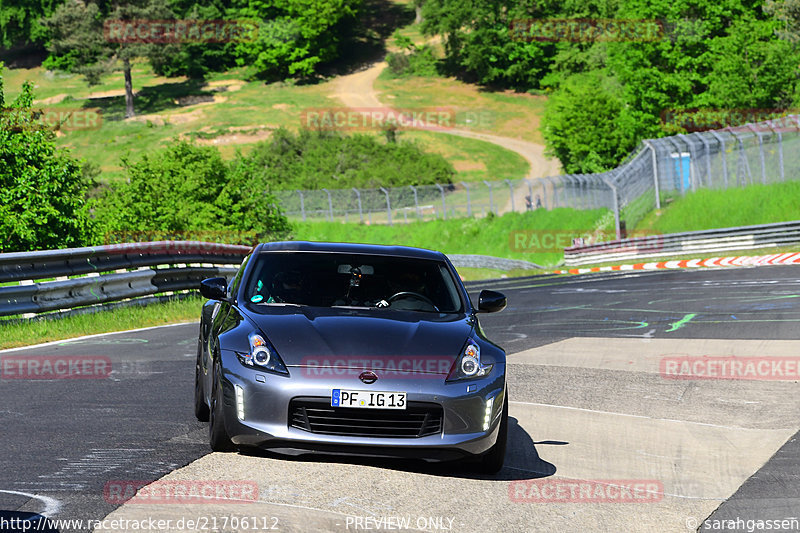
522,460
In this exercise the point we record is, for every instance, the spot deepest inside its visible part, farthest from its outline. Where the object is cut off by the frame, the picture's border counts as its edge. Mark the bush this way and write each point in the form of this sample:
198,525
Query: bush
323,159
420,62
42,189
186,188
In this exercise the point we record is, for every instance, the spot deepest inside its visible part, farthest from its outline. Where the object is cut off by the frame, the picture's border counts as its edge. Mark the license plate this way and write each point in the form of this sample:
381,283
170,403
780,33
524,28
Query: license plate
368,399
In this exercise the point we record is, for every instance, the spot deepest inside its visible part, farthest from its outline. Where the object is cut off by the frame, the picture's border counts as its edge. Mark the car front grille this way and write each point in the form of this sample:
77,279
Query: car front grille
316,415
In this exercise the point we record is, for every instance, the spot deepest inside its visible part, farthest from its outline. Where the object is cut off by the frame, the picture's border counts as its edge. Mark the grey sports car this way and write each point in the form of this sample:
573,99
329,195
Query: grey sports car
351,349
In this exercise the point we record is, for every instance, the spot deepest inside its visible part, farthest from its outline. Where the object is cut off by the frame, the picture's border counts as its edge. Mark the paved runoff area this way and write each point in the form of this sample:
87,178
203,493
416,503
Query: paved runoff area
642,401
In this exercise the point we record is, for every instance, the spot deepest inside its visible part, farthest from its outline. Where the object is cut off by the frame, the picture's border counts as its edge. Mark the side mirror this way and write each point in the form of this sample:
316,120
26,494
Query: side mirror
491,301
214,288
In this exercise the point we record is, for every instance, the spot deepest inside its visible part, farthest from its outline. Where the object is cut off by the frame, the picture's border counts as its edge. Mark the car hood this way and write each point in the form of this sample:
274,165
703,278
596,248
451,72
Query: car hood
362,338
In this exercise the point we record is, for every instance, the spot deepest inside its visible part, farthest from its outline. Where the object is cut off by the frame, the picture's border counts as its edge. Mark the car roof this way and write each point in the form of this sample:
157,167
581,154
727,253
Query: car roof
350,248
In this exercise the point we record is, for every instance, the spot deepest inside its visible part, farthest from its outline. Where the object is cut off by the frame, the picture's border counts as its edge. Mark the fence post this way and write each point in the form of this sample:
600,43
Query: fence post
655,172
416,200
743,166
721,141
330,205
552,182
491,197
572,193
616,206
760,153
388,206
707,146
302,205
444,204
358,197
469,203
780,147
692,159
511,192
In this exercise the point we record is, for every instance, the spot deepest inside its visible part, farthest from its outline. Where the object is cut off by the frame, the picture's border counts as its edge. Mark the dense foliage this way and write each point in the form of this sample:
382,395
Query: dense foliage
291,38
317,159
609,92
189,190
41,187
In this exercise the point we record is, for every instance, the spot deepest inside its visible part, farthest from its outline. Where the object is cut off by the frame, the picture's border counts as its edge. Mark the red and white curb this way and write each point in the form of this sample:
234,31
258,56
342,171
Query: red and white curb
734,261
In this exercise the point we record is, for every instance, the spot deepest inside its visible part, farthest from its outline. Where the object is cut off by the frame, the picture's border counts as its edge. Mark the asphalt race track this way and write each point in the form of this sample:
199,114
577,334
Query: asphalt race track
591,406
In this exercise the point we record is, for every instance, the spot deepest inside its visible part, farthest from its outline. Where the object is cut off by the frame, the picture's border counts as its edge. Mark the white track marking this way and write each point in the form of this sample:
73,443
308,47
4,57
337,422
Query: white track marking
52,343
51,505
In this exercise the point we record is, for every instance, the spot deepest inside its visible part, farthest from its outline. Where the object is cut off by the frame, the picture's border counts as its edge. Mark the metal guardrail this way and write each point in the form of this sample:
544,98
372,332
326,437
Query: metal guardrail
488,261
693,242
109,273
38,282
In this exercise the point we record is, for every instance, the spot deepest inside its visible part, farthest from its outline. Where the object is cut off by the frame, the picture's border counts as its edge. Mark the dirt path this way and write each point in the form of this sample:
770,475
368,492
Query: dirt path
357,90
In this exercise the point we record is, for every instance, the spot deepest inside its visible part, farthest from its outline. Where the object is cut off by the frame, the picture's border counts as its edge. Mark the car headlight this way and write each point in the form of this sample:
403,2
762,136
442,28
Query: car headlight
262,356
469,364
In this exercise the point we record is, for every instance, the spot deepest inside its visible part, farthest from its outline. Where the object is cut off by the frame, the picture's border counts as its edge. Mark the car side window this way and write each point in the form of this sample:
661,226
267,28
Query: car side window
234,286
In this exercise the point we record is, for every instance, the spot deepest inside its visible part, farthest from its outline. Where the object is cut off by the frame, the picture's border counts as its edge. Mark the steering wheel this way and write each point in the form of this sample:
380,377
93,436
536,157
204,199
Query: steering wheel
418,296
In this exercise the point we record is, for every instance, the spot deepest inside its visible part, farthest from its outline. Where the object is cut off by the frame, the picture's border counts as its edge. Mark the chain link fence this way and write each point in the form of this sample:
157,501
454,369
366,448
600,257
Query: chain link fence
659,169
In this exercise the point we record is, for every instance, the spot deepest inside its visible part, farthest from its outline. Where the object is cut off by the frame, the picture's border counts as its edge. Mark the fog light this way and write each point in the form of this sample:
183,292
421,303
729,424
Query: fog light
487,415
239,402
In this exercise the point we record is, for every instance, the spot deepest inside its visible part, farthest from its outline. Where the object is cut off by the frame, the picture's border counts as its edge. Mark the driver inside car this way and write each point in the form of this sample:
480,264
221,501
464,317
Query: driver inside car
403,290
287,287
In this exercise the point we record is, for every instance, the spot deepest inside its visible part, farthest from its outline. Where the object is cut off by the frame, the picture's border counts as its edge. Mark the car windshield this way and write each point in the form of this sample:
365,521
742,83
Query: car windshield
353,280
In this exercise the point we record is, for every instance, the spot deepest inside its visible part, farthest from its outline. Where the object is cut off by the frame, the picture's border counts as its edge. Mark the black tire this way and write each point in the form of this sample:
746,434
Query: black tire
201,410
217,435
492,461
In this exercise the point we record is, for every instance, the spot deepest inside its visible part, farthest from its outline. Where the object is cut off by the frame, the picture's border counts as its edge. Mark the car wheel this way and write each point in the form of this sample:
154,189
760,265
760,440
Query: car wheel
492,461
201,410
217,436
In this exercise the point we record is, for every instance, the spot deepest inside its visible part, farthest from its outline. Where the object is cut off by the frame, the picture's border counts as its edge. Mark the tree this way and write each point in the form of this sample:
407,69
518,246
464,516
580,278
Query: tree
479,43
80,32
587,125
295,36
42,191
20,21
186,188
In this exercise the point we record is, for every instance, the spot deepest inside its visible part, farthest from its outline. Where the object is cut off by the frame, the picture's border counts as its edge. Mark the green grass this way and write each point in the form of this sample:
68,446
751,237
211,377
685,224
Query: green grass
710,209
23,333
474,160
478,274
229,113
501,113
484,236
224,111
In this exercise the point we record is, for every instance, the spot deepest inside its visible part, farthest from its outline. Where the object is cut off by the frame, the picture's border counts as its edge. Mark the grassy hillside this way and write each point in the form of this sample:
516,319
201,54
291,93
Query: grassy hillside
709,209
486,236
225,111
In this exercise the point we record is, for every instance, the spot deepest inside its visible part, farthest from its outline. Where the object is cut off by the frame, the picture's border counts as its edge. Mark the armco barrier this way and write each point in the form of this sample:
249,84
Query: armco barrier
41,280
109,273
693,242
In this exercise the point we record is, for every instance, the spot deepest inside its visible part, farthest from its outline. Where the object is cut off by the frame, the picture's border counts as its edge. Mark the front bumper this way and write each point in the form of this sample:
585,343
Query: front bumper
266,398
